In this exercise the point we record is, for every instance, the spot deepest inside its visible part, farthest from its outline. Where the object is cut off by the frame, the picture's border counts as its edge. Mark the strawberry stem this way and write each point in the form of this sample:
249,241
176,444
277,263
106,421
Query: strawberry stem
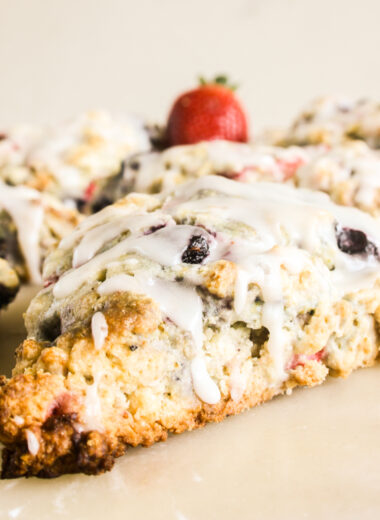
220,79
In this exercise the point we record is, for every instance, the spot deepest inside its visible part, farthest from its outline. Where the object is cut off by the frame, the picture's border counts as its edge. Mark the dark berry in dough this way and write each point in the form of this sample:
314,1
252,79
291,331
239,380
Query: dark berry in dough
196,251
354,242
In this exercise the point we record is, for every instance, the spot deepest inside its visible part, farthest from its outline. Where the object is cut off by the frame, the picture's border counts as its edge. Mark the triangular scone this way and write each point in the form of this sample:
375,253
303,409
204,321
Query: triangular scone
161,315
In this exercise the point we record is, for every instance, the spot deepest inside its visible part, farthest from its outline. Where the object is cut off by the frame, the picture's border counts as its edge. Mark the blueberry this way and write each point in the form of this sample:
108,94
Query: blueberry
196,251
354,242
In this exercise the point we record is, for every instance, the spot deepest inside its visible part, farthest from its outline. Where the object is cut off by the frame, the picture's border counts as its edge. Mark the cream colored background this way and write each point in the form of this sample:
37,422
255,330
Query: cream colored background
60,56
314,455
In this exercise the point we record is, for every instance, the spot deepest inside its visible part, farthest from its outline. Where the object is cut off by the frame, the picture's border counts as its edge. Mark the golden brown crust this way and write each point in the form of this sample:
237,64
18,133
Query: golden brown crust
50,411
63,448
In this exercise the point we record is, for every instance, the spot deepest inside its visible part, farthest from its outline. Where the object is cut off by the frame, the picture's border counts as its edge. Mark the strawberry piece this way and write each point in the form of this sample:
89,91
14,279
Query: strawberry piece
208,112
301,359
289,168
89,191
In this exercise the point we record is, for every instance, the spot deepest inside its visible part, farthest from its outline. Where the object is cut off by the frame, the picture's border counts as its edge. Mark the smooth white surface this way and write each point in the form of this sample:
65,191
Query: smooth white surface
60,57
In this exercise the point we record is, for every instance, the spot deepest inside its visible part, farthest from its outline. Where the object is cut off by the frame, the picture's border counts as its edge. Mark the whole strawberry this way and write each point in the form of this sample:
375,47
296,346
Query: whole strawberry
208,112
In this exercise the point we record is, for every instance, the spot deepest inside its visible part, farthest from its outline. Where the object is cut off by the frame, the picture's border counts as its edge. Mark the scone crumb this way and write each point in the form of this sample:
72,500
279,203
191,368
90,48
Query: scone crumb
310,374
221,277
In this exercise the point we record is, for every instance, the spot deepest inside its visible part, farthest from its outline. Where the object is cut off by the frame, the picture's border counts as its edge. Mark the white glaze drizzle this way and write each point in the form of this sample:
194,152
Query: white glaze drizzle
204,386
92,418
184,307
98,236
238,381
33,443
264,270
99,329
24,205
270,210
178,302
102,217
165,246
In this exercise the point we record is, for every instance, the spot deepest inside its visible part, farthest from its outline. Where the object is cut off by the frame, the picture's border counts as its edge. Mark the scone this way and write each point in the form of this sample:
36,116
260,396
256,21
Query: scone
16,143
162,314
161,172
72,161
31,225
332,120
349,173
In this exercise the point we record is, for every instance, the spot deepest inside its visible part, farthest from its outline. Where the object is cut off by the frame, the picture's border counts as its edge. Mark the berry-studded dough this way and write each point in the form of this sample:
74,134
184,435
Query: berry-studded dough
161,314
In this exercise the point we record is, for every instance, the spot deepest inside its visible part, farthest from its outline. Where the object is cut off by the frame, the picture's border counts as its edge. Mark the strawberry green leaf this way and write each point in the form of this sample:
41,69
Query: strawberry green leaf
220,79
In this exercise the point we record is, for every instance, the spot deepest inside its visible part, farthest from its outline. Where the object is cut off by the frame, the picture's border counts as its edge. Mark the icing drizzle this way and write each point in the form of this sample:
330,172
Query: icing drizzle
290,230
32,442
99,328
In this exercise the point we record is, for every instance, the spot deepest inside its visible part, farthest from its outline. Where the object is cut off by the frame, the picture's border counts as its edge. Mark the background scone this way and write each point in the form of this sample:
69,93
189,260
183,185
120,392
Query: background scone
72,160
161,315
348,173
333,120
158,172
31,225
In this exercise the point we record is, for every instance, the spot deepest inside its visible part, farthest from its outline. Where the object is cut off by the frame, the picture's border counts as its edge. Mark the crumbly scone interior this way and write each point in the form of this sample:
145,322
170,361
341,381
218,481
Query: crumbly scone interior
161,314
